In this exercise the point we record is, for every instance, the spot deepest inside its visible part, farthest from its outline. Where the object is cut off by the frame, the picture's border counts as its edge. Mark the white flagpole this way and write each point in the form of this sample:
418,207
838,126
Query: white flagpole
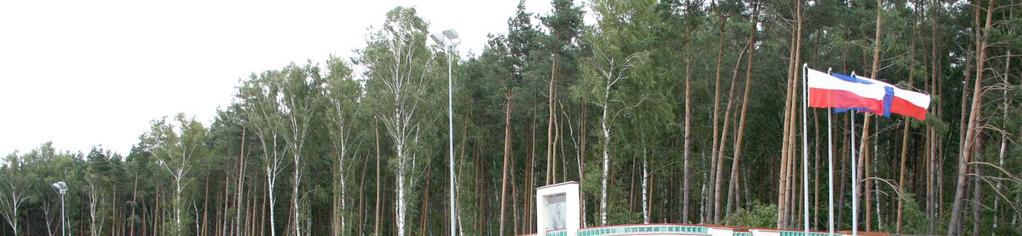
805,151
830,174
855,178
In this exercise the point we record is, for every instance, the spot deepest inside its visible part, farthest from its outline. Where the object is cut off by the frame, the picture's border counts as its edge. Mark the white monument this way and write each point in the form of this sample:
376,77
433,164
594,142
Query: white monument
557,206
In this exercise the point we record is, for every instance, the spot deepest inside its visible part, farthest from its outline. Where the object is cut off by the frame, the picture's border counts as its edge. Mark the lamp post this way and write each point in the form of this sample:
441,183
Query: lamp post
61,189
451,35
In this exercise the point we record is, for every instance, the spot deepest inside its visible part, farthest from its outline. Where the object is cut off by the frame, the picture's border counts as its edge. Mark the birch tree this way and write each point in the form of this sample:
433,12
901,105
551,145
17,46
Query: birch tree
12,194
397,63
342,94
298,100
612,62
176,143
97,181
260,110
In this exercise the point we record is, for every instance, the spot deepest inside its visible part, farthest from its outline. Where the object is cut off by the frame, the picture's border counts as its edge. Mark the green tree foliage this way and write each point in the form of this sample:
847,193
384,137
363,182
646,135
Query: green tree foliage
399,74
177,145
758,215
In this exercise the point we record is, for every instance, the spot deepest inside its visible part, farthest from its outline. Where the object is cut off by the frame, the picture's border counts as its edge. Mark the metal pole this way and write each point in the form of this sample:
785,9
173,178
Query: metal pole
830,173
450,130
855,178
63,222
805,151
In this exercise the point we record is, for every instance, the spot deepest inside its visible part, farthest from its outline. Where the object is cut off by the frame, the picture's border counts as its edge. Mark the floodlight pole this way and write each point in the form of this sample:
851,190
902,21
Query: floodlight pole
855,180
450,35
830,172
63,222
805,151
450,132
61,189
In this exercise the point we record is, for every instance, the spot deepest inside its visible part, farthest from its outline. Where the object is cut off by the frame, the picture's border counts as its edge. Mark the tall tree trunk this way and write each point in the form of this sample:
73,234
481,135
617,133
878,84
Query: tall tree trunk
134,200
1004,116
157,213
843,166
904,139
901,175
931,134
529,178
424,211
1004,136
867,160
205,202
714,149
241,180
559,141
362,212
977,196
515,208
464,154
717,183
686,143
816,171
873,187
263,213
965,155
507,157
270,181
551,147
787,149
645,184
605,131
379,200
864,144
178,201
583,137
481,203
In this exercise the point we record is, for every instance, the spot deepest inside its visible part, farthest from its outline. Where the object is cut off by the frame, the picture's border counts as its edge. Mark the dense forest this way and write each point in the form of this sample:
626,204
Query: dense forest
669,111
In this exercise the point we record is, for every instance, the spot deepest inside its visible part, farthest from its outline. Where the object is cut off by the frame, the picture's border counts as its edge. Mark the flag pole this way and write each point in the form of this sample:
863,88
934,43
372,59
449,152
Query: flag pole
805,151
855,177
830,173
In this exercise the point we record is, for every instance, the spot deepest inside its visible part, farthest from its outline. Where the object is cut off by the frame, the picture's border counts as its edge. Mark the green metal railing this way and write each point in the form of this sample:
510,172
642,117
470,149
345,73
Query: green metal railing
801,233
557,233
666,229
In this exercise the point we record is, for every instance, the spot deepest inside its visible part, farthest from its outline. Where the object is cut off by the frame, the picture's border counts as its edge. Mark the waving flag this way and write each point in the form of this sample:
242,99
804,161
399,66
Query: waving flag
902,102
827,91
863,94
911,104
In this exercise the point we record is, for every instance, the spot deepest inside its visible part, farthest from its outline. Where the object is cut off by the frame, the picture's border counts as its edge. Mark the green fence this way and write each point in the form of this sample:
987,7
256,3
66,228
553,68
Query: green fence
557,233
801,233
666,229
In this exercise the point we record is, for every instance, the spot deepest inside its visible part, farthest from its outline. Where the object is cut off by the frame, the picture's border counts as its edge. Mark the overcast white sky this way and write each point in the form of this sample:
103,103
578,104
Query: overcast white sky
85,73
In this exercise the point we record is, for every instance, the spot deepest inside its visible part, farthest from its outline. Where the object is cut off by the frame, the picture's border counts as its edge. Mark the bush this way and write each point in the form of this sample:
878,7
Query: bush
758,216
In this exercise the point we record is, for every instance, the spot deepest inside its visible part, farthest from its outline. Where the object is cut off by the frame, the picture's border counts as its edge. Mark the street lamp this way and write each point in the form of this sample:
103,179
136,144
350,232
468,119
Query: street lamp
451,35
61,189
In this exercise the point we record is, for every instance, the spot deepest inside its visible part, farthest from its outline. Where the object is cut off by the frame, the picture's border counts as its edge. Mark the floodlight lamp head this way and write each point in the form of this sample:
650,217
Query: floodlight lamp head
437,40
451,34
60,186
